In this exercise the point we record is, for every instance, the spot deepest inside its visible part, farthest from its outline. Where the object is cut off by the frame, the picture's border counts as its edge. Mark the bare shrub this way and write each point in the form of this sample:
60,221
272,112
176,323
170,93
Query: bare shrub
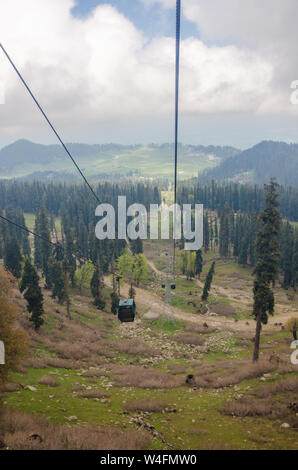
145,405
36,362
134,346
244,335
133,376
229,374
176,369
10,387
223,309
21,431
92,394
49,381
189,338
290,384
195,328
247,406
77,351
95,373
63,363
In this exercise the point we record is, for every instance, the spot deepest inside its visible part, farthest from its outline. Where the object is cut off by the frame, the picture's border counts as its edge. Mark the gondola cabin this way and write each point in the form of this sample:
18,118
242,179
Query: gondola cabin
126,310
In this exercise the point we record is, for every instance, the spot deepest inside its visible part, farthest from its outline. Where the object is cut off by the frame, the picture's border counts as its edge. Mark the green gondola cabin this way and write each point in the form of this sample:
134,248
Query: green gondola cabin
126,310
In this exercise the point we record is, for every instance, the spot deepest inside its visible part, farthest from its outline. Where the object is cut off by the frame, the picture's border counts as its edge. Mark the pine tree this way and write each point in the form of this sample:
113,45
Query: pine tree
136,246
13,257
190,266
243,253
266,269
206,235
215,232
208,282
114,303
57,281
295,260
224,236
42,247
97,286
287,248
33,295
199,263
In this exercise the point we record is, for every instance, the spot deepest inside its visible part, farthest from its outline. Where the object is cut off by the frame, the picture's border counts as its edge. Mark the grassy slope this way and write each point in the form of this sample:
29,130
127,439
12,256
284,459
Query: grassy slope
197,424
151,162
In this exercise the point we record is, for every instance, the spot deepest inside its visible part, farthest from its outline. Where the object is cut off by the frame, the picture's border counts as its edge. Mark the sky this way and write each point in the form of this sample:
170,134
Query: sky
104,71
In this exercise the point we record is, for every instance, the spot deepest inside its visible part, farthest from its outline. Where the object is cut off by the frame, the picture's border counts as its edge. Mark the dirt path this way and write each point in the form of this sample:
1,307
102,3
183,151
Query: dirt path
148,300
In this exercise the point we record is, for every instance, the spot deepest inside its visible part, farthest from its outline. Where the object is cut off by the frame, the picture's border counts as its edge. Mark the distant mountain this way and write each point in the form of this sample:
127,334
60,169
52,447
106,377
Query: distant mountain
259,163
23,158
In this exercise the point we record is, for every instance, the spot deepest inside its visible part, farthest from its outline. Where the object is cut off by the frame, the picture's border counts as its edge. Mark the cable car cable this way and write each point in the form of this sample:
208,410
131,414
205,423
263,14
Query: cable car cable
58,245
27,230
177,73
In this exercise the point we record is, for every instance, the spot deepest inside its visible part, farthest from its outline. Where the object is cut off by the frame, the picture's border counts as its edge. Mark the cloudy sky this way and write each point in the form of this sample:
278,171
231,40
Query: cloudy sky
104,70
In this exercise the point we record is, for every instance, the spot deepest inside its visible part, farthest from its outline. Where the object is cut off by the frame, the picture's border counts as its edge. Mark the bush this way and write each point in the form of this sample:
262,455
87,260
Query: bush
246,406
20,431
189,338
290,384
134,346
145,405
133,376
48,381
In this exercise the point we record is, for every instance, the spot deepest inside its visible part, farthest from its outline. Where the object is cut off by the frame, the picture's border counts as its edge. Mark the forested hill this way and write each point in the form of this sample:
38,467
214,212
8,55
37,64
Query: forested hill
24,158
259,163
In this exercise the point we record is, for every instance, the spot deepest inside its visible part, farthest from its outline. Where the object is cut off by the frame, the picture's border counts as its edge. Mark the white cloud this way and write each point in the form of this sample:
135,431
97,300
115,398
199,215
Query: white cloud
101,69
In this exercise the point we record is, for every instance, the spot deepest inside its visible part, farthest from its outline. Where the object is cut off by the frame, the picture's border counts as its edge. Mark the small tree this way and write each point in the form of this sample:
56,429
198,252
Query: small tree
191,265
208,282
140,269
33,295
182,261
125,266
83,275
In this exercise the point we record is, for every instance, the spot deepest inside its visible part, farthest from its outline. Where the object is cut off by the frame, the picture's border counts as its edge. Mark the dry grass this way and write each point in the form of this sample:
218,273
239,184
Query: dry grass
176,369
201,329
10,387
290,384
230,373
247,406
49,381
223,309
94,394
189,338
94,373
145,405
42,363
133,346
134,376
21,431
